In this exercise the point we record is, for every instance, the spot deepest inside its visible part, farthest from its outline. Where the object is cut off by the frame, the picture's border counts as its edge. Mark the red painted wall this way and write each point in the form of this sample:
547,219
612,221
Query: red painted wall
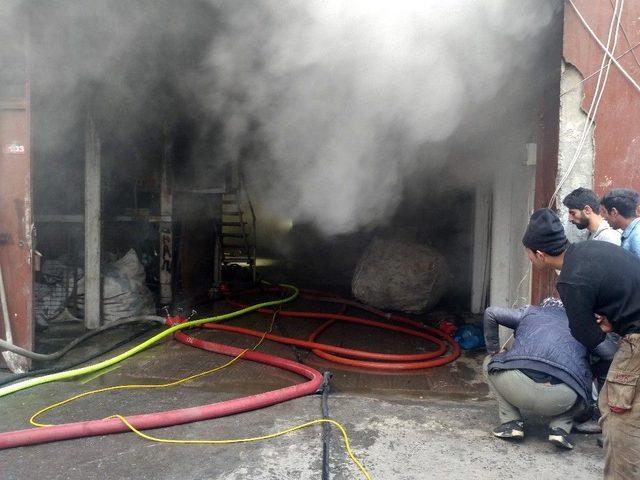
617,132
548,129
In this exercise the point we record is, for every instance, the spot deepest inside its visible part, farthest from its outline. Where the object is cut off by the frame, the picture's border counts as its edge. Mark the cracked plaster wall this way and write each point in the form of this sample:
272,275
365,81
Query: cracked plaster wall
572,123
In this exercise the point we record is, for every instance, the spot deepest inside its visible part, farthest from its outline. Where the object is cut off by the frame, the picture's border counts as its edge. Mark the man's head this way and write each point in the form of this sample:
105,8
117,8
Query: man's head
583,204
545,240
620,206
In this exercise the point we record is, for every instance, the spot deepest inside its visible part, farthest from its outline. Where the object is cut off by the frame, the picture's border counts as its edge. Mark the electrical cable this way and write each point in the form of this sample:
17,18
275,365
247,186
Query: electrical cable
297,351
624,33
590,119
61,368
6,390
326,430
45,357
270,436
570,89
597,95
607,52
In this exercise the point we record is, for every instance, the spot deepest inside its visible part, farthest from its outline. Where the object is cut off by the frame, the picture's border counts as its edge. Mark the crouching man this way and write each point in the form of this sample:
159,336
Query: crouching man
546,371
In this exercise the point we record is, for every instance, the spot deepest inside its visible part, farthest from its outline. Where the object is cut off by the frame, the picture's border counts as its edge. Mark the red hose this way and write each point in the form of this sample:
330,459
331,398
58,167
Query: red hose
349,356
353,357
32,436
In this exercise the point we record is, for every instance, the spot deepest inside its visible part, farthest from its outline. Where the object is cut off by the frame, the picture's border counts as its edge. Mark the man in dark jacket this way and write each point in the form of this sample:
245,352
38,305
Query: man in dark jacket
599,285
546,371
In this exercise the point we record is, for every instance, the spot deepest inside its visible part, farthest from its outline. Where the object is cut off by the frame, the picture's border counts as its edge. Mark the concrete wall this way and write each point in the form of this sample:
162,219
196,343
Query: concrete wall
572,123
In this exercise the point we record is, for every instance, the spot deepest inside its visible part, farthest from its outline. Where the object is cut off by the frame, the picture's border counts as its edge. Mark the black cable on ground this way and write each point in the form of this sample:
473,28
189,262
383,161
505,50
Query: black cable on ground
60,368
45,357
297,352
326,428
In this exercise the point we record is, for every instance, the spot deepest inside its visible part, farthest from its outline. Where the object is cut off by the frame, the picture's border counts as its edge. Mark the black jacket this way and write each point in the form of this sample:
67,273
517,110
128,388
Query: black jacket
599,277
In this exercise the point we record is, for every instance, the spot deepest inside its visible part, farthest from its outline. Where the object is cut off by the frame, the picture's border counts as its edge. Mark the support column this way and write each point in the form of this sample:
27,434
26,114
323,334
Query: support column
512,205
166,232
481,263
92,228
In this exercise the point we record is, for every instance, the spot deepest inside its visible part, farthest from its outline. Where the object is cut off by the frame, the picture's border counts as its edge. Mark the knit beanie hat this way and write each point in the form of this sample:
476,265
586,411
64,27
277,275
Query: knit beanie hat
545,233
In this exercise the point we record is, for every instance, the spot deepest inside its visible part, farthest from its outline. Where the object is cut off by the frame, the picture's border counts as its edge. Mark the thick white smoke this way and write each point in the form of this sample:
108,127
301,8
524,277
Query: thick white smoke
345,94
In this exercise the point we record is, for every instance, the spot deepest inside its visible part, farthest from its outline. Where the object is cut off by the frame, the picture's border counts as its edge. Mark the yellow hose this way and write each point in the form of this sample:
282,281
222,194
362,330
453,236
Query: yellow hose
54,406
32,382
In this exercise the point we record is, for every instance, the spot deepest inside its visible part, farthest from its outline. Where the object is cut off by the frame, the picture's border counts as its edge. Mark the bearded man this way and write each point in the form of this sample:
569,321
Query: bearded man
584,213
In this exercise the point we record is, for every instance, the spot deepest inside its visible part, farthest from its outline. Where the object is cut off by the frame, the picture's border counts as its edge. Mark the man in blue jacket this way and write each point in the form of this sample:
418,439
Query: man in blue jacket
620,210
546,371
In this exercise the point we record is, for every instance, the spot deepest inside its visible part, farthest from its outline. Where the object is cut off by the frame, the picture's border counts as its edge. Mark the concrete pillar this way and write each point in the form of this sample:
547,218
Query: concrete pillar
166,231
481,263
513,195
92,228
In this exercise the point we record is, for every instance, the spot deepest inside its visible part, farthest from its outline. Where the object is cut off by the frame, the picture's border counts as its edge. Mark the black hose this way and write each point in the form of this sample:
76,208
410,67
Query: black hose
4,345
61,368
326,429
297,352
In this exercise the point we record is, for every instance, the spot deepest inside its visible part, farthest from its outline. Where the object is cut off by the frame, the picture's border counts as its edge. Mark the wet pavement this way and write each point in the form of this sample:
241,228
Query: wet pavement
416,425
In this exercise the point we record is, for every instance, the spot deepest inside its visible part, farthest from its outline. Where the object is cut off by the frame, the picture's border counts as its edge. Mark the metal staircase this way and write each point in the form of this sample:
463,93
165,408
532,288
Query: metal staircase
238,233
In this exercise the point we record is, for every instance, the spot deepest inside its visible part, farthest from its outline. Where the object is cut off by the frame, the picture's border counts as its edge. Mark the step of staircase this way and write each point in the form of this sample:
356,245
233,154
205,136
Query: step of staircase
233,224
236,260
233,235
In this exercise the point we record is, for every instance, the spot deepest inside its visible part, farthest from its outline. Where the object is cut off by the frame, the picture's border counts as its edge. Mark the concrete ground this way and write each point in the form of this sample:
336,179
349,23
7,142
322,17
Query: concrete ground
430,424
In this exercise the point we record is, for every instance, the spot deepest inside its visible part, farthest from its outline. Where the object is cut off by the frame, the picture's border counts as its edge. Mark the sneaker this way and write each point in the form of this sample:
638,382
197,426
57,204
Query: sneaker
513,430
590,426
560,438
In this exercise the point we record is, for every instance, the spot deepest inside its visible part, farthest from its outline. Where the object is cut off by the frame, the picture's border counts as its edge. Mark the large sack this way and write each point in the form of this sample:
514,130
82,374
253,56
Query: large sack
124,291
400,274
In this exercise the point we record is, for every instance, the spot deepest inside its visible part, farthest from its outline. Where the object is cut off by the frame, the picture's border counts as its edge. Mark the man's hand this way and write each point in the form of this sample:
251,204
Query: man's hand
604,323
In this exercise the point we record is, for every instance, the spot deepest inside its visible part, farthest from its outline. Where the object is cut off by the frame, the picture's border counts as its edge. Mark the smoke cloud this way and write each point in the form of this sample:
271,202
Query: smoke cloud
352,99
333,108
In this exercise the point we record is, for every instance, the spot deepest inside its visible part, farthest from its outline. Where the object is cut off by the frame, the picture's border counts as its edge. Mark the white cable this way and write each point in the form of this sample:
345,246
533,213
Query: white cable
595,102
607,52
591,115
597,96
571,89
590,120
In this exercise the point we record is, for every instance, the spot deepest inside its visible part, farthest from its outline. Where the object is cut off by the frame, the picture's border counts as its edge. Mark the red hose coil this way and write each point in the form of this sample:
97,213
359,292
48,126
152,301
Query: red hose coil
354,357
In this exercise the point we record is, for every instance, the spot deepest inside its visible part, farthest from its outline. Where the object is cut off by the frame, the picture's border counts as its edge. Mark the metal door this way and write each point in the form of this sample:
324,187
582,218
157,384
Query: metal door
16,225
